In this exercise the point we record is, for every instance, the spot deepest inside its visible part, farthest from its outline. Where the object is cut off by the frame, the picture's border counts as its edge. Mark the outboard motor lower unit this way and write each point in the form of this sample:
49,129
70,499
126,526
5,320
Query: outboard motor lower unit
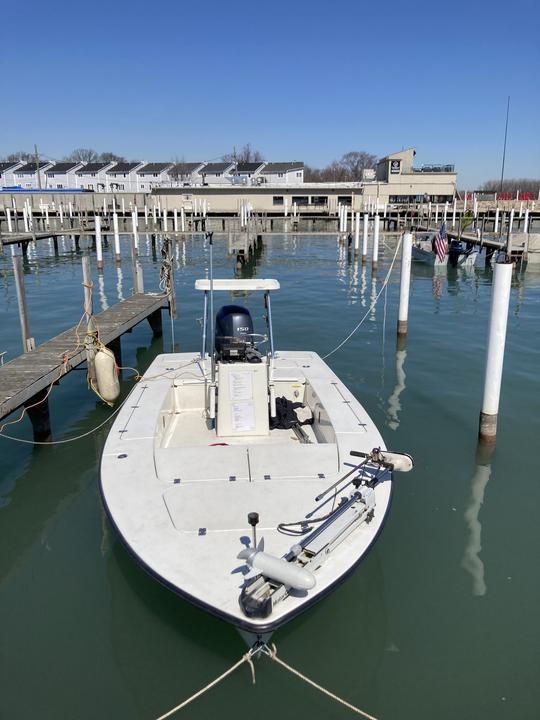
234,329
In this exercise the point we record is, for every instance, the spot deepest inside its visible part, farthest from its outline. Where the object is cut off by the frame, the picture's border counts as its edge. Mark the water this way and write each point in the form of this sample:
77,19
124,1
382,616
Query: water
441,620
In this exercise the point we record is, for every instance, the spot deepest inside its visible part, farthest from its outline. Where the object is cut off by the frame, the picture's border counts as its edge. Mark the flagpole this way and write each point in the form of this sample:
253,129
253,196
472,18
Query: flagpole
504,146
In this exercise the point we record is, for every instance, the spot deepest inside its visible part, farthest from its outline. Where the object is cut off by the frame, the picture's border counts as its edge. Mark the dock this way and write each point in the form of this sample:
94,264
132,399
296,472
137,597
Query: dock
26,379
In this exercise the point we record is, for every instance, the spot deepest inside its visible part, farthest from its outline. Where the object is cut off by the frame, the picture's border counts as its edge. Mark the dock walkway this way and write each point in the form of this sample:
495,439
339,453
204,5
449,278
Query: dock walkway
24,377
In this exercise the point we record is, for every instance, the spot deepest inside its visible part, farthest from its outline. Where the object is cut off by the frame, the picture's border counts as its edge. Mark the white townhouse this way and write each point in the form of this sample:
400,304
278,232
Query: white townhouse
245,173
123,176
93,176
282,173
216,174
27,175
7,172
63,175
154,175
186,173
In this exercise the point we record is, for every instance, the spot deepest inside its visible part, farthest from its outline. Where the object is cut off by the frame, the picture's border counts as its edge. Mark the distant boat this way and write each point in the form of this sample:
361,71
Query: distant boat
459,254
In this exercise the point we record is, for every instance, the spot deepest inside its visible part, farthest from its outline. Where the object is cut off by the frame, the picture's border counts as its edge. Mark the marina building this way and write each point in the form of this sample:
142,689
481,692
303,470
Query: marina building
63,175
398,181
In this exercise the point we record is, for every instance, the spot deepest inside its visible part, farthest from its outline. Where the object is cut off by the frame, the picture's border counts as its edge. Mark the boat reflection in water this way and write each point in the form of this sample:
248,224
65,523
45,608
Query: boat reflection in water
471,561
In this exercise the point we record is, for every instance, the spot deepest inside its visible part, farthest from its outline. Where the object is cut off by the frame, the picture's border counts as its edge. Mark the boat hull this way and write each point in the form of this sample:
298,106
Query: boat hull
158,497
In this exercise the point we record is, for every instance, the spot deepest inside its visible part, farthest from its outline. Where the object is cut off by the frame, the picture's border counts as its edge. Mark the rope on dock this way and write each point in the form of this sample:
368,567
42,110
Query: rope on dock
370,308
244,659
272,654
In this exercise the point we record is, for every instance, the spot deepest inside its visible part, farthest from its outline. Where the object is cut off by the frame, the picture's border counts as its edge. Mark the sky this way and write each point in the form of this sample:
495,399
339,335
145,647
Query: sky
297,80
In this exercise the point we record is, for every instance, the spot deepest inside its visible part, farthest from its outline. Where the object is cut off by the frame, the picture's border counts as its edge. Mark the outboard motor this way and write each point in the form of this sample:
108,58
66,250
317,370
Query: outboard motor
234,329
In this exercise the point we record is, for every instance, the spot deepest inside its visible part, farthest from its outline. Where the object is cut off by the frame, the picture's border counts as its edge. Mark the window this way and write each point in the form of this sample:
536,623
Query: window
218,174
154,174
59,186
319,200
300,199
298,174
52,175
92,174
344,199
280,174
278,200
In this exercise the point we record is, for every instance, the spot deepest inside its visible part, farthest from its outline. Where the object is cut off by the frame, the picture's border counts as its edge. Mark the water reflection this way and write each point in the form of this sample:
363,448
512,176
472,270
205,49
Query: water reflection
471,561
394,405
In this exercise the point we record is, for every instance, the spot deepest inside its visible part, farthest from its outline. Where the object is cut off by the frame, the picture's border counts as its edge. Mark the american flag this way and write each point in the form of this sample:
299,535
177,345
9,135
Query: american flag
440,243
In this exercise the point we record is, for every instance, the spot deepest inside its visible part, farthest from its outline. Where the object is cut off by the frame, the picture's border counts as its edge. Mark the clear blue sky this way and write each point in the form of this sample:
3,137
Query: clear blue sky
298,80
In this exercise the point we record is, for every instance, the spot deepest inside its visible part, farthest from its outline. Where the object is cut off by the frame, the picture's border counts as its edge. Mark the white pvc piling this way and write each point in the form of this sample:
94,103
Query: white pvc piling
405,282
357,233
511,221
445,211
454,213
145,215
175,220
99,248
436,214
500,300
165,226
496,228
465,204
365,231
182,219
116,237
134,231
375,256
8,218
123,207
25,219
526,221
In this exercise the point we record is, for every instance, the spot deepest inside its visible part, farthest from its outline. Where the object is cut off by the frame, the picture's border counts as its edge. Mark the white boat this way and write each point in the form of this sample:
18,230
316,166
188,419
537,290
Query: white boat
249,483
457,255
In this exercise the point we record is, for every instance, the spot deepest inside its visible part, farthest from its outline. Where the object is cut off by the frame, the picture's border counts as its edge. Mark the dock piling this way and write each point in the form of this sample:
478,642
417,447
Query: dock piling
27,340
375,256
117,254
365,231
404,286
500,300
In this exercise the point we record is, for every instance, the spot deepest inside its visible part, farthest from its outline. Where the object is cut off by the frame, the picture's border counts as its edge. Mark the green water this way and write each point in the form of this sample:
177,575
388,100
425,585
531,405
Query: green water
442,618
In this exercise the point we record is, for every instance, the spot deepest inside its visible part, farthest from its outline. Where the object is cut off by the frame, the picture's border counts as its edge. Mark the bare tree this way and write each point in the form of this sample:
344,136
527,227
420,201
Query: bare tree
82,155
355,162
524,185
111,157
244,155
20,155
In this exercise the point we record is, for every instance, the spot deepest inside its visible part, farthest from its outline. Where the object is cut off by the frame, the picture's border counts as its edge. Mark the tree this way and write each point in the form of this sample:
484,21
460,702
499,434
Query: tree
244,155
523,185
111,157
21,155
83,155
355,162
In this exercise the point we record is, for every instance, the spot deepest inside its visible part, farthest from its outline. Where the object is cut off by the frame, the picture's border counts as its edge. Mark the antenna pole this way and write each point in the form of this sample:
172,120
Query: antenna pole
504,147
212,333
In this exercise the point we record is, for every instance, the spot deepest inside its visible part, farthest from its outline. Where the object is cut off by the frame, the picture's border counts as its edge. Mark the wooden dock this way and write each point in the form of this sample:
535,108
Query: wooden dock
26,379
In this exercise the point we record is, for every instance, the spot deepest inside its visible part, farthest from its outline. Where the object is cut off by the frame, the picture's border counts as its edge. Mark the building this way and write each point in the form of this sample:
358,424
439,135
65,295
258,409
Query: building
246,173
27,174
153,175
7,172
63,175
186,173
282,173
398,181
93,176
123,176
217,173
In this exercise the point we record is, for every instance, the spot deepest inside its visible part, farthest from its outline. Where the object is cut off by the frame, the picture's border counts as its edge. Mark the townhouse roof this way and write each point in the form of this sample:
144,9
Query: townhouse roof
214,168
123,167
62,167
32,168
185,168
248,166
282,167
93,167
8,165
151,168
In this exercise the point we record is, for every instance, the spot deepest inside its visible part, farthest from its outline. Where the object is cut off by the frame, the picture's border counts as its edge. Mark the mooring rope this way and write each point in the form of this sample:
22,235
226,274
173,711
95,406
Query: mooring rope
271,652
370,308
244,659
